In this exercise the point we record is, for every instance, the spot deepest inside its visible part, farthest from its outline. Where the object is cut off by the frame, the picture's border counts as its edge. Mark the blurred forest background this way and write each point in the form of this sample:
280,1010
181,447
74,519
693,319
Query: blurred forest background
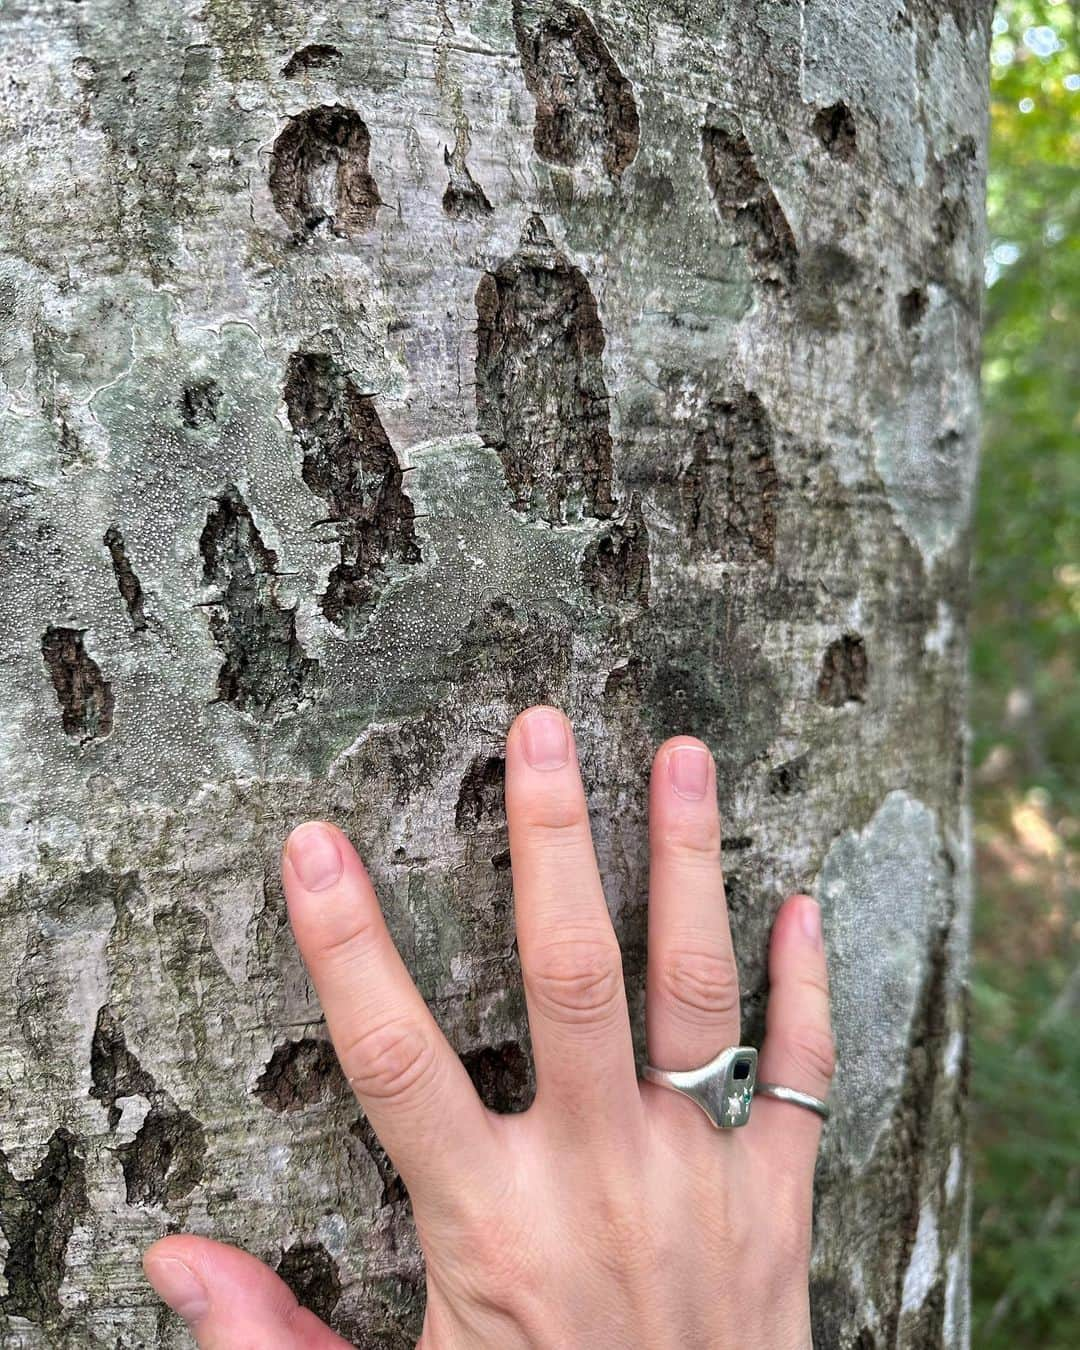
1026,699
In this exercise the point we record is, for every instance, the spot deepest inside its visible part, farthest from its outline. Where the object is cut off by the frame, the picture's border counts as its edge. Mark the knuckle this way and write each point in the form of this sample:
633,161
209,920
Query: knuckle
691,841
389,1061
576,981
814,1053
332,945
703,981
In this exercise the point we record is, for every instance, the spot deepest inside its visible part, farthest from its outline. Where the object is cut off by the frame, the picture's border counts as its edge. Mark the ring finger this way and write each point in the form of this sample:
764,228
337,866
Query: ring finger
692,987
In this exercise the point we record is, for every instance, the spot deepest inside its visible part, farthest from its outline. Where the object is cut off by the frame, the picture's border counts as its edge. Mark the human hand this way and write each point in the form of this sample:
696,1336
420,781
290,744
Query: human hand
610,1213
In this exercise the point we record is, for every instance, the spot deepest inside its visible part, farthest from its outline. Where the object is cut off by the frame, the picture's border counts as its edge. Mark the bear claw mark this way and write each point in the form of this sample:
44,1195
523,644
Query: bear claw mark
85,696
319,172
746,202
541,398
583,100
265,671
350,463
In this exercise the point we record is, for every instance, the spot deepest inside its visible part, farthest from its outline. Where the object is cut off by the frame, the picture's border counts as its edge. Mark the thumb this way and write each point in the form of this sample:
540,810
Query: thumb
231,1301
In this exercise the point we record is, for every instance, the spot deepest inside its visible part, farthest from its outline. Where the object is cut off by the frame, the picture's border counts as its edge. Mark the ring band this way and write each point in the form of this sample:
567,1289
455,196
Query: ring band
794,1097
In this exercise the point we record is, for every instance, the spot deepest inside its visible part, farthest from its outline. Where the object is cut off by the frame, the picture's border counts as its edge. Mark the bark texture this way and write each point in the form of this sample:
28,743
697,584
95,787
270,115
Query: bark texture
368,372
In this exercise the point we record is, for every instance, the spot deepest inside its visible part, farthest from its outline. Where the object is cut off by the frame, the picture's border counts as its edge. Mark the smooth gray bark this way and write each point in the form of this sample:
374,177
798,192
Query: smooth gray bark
368,373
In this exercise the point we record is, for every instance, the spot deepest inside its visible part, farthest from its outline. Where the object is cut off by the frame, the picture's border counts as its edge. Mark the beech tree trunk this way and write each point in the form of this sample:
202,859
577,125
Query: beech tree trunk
370,372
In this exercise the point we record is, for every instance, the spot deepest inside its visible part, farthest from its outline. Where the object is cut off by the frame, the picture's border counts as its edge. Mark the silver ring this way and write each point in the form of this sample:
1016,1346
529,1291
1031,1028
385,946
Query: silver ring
723,1088
792,1095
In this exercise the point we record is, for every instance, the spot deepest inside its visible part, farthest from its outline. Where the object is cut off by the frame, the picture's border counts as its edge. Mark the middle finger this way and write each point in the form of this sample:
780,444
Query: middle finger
570,958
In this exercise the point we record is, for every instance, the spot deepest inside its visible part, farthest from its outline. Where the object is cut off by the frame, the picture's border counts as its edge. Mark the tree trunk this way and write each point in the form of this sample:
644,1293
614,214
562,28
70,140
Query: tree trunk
371,372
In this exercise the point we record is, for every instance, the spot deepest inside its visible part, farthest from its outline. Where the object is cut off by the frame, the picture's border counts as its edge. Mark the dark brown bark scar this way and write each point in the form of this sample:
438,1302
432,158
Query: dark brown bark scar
747,204
615,567
166,1159
394,1192
789,778
582,97
541,398
730,488
911,307
327,143
844,671
502,1075
114,1071
834,127
350,463
265,671
312,1274
85,696
464,197
199,403
315,56
298,1074
482,794
38,1217
127,581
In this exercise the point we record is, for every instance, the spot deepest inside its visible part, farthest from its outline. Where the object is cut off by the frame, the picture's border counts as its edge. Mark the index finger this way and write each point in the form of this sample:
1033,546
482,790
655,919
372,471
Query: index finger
412,1086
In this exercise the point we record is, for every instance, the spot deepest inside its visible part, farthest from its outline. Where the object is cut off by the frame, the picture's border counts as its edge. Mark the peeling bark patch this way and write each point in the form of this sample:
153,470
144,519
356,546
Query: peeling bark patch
482,795
265,670
584,103
394,1192
165,1160
834,127
114,1071
502,1075
311,1273
730,488
844,672
199,403
315,56
616,565
542,402
747,204
85,696
464,197
127,581
350,463
298,1074
38,1217
319,172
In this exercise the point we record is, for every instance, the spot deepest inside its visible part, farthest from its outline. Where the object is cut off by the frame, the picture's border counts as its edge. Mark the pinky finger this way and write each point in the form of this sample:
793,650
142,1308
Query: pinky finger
798,1049
230,1300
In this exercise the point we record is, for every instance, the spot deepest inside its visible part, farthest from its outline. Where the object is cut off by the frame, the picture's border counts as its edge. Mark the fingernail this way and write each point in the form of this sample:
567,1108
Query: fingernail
315,856
179,1287
545,739
810,919
689,769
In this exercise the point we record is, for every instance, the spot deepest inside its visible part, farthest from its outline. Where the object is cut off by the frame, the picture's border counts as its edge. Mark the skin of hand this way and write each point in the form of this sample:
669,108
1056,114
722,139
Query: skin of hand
611,1212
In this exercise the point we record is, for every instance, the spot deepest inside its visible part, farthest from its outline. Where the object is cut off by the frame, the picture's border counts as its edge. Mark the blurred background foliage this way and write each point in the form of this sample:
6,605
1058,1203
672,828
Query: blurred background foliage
1026,699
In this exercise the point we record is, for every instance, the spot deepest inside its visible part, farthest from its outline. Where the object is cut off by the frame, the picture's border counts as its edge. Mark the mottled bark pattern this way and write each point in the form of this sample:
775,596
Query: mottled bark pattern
367,373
